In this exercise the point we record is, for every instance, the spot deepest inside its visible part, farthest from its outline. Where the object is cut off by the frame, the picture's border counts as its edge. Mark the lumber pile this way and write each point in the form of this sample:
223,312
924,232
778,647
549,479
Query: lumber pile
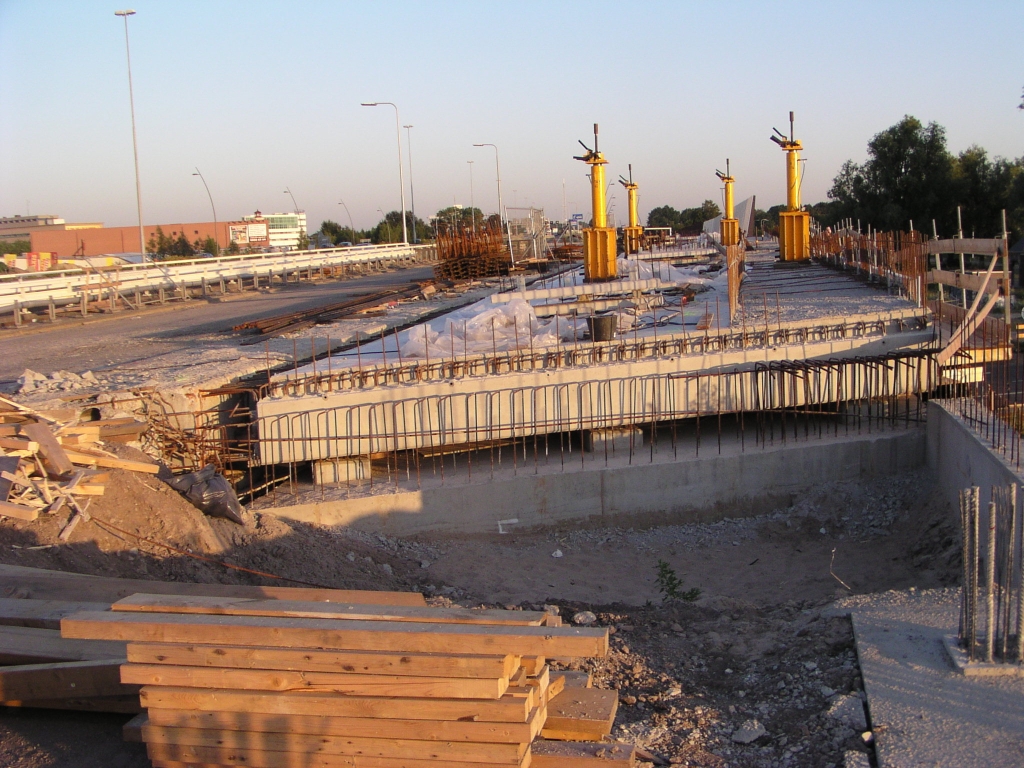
47,465
42,669
276,683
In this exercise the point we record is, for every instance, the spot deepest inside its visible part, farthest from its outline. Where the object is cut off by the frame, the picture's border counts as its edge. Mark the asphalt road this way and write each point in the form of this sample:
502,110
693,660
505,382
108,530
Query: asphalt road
107,341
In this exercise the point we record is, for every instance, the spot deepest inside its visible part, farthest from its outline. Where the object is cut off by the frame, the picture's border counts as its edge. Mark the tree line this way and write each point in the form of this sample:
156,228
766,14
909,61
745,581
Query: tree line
389,229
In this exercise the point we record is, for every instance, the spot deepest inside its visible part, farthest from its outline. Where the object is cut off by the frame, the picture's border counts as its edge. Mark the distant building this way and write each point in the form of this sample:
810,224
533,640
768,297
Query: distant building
22,227
259,232
285,230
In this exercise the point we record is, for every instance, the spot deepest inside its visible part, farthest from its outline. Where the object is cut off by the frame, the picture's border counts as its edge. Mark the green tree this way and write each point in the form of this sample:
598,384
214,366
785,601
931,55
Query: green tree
907,177
16,246
455,216
664,216
339,234
389,229
210,245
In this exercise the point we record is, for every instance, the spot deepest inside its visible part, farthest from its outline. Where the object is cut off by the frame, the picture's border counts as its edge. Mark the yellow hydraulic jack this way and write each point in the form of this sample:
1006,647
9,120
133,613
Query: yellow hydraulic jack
794,224
599,251
632,234
730,227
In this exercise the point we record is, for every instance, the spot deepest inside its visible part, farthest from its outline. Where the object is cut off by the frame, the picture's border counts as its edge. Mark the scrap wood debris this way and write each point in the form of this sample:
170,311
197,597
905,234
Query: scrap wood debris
49,461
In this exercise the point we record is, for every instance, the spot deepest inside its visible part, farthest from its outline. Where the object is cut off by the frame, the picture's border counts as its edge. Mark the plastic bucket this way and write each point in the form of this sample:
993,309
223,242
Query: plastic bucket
602,327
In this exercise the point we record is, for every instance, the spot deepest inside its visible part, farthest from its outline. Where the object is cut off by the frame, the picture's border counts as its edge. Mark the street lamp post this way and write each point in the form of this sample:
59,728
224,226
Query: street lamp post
350,224
412,193
135,144
472,207
501,215
216,236
384,219
288,191
401,169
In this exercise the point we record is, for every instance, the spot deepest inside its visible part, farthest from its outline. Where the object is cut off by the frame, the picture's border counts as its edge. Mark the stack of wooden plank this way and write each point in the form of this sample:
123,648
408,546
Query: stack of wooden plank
42,669
47,465
276,683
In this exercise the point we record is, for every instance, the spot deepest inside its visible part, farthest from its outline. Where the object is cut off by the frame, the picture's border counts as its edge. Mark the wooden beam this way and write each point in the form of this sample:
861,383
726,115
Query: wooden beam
585,754
241,606
44,614
354,662
80,455
128,705
364,727
171,756
18,512
970,281
503,710
321,682
332,634
44,584
28,645
317,745
986,246
577,712
66,679
54,458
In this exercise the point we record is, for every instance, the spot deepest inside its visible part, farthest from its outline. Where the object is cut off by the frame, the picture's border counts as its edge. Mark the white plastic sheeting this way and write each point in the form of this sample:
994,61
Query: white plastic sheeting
485,327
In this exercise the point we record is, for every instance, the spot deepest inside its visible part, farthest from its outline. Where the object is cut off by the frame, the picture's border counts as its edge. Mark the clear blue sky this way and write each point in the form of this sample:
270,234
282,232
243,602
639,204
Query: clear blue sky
264,95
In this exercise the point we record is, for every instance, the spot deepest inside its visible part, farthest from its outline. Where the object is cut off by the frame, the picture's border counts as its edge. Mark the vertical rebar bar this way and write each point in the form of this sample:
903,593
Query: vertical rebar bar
990,579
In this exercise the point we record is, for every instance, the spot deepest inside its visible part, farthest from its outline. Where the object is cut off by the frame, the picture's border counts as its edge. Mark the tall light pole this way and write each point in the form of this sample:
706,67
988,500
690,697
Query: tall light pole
472,207
216,236
412,194
135,143
501,214
401,168
350,224
288,191
497,169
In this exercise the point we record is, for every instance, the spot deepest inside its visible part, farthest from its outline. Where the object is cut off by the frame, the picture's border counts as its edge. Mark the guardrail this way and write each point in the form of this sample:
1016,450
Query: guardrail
79,286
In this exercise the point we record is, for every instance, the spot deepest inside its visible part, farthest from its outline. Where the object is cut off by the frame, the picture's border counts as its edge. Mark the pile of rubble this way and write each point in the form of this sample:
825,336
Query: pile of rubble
47,465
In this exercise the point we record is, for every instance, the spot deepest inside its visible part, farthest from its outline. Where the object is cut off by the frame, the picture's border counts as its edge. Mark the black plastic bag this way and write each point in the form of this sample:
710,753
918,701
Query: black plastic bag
209,492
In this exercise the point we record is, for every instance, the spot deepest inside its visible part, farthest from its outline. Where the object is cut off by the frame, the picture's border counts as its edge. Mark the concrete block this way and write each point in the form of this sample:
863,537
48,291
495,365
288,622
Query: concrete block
614,440
341,471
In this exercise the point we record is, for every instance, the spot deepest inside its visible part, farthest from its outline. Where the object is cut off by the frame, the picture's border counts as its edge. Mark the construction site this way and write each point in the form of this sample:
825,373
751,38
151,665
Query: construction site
506,500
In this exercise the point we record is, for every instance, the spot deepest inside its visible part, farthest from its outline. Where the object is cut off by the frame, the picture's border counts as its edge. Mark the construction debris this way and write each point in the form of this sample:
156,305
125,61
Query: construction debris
39,474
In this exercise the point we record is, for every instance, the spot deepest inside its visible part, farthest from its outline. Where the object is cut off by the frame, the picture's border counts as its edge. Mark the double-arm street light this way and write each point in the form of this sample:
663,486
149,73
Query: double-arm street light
135,144
216,236
401,170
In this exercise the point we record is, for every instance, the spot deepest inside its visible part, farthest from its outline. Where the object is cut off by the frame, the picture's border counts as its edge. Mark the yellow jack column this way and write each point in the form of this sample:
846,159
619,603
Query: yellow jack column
730,227
632,234
794,224
599,250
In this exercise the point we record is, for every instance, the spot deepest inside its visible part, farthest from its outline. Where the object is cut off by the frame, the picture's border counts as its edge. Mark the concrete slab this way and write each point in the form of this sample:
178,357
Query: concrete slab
922,712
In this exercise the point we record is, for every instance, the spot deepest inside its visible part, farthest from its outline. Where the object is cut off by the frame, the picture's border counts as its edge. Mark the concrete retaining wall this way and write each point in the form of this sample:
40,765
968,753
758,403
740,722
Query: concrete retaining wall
688,490
961,458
